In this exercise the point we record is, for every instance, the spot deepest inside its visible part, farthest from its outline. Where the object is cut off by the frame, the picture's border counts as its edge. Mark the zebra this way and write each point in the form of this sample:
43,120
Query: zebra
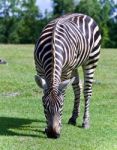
66,43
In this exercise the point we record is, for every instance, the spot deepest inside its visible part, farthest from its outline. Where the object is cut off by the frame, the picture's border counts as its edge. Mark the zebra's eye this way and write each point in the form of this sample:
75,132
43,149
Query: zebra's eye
43,98
46,92
59,93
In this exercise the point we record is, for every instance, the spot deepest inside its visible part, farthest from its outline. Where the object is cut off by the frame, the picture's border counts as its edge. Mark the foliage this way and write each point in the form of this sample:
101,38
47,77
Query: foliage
100,12
22,22
22,120
61,7
89,7
113,35
19,21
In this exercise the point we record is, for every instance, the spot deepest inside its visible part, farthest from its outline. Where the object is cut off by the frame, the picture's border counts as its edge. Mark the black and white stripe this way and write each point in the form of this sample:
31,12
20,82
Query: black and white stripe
65,44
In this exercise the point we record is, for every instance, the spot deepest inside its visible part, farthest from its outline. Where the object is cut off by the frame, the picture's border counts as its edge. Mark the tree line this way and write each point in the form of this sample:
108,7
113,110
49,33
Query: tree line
21,21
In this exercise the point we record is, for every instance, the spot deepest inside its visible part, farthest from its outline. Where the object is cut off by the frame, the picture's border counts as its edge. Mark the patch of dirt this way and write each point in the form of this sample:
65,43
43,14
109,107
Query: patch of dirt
12,94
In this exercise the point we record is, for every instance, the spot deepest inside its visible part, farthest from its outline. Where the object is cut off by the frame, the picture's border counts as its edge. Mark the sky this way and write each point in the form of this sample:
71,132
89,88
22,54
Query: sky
47,4
44,4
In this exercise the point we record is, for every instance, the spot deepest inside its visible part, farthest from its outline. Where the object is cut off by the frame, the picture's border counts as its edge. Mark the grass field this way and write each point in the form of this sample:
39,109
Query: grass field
22,121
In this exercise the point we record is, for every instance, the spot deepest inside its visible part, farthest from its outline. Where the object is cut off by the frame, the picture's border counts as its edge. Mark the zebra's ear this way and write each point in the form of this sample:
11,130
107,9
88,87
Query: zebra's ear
65,83
40,82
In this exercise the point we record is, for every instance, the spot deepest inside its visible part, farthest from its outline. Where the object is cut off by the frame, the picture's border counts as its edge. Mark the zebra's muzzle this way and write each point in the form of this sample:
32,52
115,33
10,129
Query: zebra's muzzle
52,133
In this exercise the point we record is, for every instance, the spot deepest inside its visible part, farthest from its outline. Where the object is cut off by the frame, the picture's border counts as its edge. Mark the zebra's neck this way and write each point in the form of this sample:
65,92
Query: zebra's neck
57,59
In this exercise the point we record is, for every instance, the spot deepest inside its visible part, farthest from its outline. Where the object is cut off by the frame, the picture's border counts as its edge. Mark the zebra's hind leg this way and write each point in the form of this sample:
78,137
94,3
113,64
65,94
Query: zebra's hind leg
88,81
76,89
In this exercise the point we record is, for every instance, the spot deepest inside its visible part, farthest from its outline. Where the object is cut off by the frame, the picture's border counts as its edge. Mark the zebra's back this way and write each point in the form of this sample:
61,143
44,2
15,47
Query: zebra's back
65,43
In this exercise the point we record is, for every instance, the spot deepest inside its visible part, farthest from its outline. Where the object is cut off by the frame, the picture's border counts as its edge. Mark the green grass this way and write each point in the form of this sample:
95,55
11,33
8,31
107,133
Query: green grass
22,120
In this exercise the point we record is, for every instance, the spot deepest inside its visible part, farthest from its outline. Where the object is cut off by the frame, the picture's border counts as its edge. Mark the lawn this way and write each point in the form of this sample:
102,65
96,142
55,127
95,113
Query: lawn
22,121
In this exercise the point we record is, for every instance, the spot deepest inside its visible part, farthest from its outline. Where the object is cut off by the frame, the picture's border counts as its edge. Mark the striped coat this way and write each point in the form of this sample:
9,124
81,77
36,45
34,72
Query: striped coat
66,43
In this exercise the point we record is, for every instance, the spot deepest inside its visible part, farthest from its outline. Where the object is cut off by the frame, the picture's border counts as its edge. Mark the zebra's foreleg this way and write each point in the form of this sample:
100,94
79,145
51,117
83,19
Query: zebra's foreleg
88,81
76,108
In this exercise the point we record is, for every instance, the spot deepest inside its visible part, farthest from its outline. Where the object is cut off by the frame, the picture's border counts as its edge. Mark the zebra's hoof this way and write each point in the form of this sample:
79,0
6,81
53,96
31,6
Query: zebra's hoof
72,121
86,125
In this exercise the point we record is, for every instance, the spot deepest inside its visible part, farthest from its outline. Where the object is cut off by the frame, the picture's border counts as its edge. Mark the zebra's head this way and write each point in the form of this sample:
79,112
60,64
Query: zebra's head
53,105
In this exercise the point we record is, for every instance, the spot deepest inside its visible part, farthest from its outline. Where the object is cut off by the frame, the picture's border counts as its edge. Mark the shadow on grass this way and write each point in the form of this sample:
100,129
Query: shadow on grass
8,124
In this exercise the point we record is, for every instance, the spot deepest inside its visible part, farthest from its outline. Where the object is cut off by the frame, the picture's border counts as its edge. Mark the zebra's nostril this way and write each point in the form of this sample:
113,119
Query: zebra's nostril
51,134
